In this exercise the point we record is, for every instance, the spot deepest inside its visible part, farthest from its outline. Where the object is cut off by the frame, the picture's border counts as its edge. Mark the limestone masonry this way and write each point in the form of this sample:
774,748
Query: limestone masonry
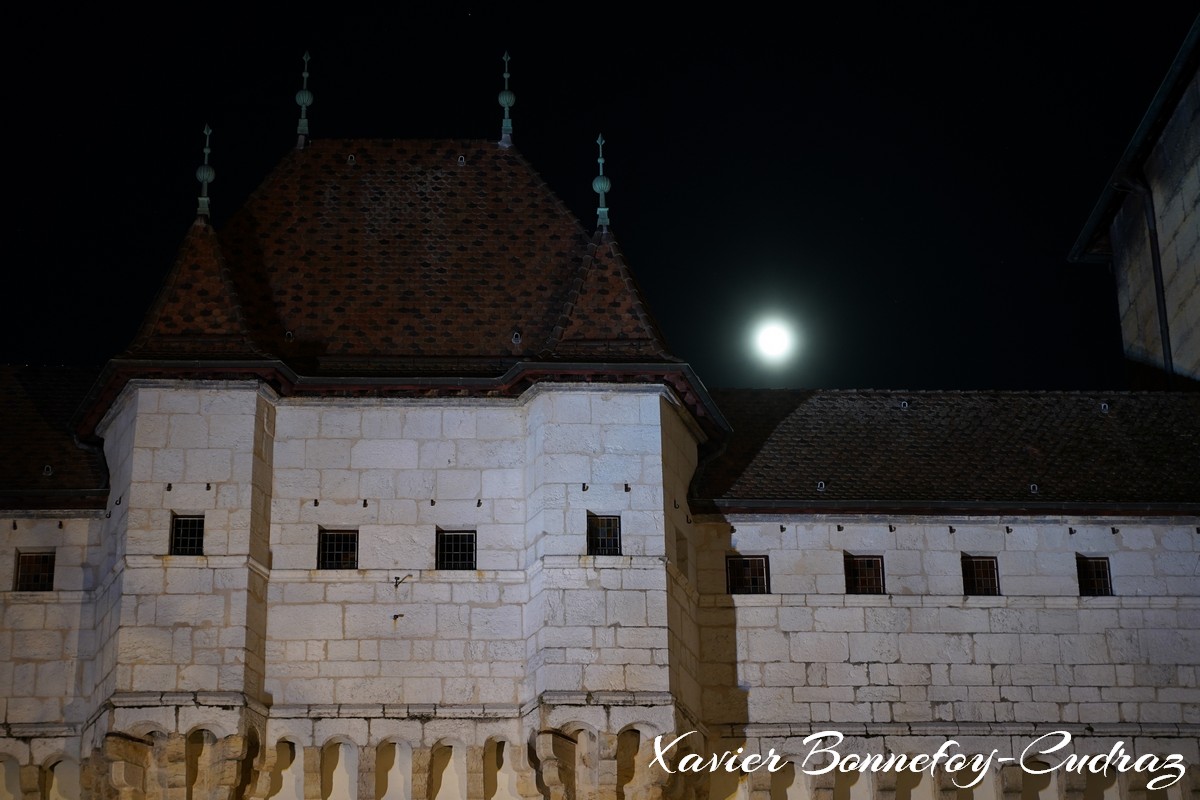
398,494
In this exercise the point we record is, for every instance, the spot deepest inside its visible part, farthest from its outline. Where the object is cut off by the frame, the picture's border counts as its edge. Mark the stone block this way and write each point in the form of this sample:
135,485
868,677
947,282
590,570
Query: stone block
383,454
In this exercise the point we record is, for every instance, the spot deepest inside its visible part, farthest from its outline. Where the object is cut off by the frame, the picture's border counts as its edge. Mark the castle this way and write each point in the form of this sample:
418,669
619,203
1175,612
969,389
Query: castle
398,494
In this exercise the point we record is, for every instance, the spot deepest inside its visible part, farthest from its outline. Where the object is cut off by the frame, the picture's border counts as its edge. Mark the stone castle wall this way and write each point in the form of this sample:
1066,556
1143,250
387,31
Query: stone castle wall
1172,173
249,671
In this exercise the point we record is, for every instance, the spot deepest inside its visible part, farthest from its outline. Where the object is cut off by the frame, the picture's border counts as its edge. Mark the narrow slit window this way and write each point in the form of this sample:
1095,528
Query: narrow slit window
187,535
603,535
864,574
456,549
337,550
747,575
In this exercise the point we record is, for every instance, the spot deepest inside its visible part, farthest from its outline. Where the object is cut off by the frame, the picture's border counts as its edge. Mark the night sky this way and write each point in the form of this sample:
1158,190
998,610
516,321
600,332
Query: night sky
903,185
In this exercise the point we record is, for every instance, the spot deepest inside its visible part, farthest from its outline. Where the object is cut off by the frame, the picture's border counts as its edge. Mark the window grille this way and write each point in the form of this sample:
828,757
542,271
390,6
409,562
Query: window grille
187,535
603,535
747,575
337,550
864,574
1095,580
456,549
35,572
981,575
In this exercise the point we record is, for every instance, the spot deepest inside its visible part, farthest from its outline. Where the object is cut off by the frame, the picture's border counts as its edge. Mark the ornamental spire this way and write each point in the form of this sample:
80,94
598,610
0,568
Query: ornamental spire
205,174
507,101
304,99
600,185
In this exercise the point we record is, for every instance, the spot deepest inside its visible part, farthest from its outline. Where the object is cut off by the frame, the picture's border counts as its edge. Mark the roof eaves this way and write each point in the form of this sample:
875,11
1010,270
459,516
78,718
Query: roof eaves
1085,249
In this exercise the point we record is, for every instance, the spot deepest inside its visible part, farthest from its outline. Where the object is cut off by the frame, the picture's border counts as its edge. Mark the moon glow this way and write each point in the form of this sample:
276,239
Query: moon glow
773,341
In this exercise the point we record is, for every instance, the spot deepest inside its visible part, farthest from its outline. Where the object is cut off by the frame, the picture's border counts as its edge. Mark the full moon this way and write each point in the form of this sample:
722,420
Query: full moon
774,341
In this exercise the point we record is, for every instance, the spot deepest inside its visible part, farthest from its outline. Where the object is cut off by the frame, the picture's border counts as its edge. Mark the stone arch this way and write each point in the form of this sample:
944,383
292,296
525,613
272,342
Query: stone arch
853,786
201,763
501,778
447,770
1136,781
955,786
339,769
10,777
251,763
287,773
586,767
553,762
790,783
914,786
724,785
1035,786
61,777
393,770
145,729
220,730
1098,786
631,772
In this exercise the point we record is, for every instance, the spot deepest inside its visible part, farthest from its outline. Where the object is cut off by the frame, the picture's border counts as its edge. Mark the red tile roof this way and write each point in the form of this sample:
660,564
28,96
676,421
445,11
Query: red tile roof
425,257
888,451
43,465
196,313
369,266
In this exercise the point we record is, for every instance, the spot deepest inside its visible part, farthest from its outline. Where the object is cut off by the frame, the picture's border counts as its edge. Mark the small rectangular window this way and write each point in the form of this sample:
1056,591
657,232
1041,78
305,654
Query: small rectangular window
455,549
747,575
864,574
187,535
35,572
981,575
603,535
1095,580
337,549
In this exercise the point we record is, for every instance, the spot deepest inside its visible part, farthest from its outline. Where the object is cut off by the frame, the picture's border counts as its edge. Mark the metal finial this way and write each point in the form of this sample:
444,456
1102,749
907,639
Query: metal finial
600,185
304,99
507,101
205,174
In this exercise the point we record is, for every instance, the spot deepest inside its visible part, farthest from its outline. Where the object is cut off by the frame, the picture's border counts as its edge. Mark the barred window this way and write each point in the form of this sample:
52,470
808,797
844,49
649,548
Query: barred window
35,572
455,549
864,574
337,549
1095,580
187,535
603,535
747,575
981,575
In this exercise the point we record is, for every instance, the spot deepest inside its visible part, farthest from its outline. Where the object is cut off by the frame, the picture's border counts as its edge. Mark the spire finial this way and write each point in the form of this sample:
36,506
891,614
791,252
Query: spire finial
205,174
507,101
600,185
304,99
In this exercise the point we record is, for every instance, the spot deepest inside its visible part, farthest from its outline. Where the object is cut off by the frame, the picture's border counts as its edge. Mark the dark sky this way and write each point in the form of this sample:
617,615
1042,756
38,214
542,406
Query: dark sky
903,185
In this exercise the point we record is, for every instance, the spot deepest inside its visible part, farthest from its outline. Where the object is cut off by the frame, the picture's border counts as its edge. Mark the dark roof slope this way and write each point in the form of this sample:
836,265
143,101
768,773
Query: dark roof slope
956,451
400,267
419,257
36,434
196,313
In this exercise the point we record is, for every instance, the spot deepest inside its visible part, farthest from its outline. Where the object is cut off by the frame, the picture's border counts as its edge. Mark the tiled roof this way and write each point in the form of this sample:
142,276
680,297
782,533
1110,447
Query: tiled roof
425,257
196,313
945,451
43,466
400,267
